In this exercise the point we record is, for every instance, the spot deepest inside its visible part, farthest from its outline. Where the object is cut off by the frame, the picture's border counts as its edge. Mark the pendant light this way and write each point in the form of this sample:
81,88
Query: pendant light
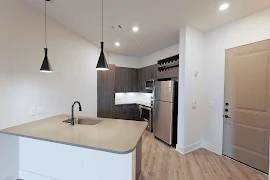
102,63
46,66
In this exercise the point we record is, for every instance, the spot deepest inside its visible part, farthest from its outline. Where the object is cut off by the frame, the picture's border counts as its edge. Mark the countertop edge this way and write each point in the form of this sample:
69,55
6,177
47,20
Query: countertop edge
135,103
75,145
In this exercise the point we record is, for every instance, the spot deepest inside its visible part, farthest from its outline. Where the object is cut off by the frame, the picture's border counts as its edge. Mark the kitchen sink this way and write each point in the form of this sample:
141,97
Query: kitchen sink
84,121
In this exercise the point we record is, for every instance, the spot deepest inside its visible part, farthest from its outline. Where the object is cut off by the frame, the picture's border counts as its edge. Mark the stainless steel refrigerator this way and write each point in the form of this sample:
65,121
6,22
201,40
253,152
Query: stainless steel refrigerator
166,111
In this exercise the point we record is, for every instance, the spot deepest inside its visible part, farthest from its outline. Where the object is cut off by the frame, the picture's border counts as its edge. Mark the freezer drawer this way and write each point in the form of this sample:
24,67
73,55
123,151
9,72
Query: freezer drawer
164,91
163,121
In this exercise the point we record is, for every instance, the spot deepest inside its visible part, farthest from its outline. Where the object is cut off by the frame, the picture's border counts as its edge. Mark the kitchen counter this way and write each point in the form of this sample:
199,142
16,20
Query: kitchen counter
111,135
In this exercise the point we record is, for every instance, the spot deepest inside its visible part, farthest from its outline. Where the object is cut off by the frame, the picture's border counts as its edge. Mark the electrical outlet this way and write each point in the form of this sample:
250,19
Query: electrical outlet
81,165
40,110
33,111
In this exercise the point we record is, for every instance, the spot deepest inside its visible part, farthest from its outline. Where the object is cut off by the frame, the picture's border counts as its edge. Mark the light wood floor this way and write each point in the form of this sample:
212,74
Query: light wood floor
161,162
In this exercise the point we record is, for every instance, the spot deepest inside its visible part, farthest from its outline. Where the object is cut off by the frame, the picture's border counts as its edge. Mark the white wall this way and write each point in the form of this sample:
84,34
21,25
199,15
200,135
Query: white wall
123,61
159,55
190,121
248,30
23,86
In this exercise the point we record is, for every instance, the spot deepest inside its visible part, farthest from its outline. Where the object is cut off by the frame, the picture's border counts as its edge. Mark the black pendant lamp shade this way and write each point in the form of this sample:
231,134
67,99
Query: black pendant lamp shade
46,66
102,63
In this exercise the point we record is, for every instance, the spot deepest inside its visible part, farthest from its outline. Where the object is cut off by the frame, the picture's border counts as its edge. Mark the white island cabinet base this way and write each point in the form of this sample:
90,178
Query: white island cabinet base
41,160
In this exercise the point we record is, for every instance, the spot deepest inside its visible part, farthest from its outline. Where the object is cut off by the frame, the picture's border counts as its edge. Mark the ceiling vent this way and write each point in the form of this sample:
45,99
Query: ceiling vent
117,26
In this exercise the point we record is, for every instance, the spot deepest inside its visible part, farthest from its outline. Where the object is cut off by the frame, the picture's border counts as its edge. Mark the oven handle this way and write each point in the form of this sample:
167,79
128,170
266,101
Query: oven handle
140,109
144,107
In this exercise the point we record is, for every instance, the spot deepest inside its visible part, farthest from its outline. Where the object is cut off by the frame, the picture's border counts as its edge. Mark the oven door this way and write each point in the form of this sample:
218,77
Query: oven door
146,115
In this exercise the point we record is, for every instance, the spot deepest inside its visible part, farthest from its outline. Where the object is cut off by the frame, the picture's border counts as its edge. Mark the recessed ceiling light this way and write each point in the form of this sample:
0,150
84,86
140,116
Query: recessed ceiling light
117,44
224,6
135,29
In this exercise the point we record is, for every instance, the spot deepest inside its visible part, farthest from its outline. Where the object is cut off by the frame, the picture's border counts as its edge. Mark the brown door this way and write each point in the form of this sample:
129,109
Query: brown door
247,104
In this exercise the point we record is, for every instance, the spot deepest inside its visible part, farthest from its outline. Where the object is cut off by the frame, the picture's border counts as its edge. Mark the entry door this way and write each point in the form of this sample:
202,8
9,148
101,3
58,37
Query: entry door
247,105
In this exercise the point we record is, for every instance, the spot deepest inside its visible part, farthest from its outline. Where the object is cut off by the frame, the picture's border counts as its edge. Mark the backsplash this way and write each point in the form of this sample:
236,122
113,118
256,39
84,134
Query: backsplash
122,98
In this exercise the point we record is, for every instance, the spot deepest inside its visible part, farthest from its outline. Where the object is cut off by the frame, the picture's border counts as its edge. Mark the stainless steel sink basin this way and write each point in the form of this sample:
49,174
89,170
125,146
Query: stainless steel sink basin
84,121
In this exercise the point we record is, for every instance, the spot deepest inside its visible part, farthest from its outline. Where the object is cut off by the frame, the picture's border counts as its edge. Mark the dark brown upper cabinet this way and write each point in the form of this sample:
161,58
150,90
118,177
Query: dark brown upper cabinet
140,83
126,79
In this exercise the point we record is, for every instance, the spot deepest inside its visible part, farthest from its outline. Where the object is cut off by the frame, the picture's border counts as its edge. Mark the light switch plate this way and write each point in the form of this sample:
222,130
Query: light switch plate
194,105
196,73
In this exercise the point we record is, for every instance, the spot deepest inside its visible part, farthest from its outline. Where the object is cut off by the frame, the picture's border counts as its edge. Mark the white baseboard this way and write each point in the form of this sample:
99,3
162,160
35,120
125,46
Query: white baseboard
195,146
210,147
190,148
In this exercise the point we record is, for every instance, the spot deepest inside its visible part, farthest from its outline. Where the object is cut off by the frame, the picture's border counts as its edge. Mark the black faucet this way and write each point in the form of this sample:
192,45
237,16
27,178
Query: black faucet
72,112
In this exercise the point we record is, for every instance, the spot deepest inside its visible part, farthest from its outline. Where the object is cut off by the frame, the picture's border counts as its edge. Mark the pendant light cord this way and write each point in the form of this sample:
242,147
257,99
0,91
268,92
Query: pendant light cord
102,20
46,23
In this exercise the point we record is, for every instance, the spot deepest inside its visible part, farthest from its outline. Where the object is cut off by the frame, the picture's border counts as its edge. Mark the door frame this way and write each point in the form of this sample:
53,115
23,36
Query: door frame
221,108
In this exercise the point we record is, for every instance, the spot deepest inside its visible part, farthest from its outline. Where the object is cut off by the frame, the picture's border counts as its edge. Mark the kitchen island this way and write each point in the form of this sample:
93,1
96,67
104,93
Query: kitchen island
52,149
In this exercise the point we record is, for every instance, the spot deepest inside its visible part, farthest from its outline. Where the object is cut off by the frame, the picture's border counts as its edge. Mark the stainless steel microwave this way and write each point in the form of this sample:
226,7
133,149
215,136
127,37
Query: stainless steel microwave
150,84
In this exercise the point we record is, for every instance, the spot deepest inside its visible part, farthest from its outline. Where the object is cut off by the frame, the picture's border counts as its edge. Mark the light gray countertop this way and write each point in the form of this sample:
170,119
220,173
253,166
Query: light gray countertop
111,135
133,102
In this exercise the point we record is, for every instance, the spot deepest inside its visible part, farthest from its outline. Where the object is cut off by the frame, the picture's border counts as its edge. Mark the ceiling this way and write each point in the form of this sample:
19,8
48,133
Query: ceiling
159,20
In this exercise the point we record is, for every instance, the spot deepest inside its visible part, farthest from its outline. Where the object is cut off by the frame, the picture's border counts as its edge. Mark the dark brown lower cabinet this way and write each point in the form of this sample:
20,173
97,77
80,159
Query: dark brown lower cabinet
127,111
105,93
